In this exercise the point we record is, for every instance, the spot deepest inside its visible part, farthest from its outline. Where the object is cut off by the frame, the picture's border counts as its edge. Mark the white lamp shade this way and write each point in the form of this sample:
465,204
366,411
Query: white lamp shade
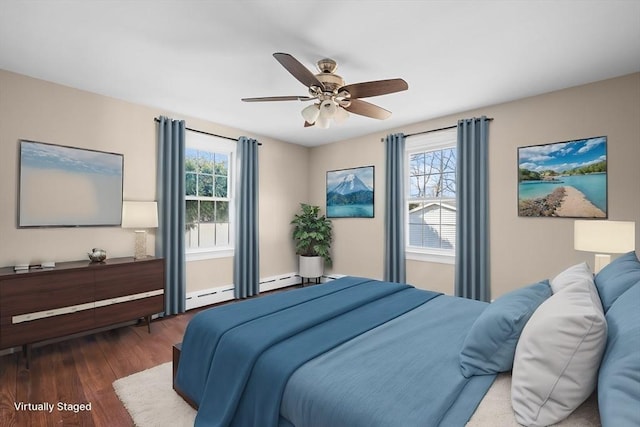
327,109
139,214
311,113
341,115
613,237
323,122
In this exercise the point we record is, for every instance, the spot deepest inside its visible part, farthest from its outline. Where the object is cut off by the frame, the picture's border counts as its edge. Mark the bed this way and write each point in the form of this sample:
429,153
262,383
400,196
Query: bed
357,352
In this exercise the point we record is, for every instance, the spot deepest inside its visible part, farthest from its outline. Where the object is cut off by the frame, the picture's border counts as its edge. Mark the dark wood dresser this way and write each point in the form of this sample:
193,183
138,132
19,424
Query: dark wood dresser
78,296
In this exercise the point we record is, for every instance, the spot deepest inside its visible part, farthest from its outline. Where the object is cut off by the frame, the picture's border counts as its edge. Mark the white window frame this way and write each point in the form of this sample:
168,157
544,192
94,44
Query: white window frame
418,144
216,144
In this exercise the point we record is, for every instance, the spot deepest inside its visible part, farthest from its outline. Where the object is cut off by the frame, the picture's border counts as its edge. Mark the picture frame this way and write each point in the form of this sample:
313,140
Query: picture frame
62,186
350,193
563,179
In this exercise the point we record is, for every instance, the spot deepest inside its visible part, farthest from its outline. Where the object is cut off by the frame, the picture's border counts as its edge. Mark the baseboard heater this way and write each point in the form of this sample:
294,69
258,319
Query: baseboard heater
224,293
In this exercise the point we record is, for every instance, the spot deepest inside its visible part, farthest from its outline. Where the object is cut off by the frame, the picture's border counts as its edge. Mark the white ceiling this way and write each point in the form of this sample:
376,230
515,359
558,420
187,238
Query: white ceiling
198,58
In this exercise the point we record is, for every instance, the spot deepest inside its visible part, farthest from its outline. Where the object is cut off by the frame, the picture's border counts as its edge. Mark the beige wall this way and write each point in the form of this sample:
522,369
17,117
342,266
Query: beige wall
522,249
41,111
357,243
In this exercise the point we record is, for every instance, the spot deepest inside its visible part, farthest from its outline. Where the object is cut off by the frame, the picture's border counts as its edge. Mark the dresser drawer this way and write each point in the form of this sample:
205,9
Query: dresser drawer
129,279
16,334
124,311
34,292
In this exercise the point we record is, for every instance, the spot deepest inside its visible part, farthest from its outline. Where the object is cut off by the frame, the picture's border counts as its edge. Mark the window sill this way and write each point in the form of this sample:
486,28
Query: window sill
202,254
441,257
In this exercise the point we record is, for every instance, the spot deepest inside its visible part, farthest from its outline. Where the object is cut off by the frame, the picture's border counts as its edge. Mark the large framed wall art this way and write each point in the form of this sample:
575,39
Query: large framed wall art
563,179
350,193
62,186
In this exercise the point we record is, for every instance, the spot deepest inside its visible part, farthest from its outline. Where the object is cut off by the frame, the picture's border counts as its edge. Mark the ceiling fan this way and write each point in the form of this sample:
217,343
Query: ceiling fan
334,99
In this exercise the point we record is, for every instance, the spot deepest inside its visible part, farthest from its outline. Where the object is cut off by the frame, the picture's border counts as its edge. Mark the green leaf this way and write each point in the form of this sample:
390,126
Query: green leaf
312,232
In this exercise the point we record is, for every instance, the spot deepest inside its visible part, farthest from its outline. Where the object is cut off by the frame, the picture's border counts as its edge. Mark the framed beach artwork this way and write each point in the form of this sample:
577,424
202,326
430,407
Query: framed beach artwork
350,193
563,179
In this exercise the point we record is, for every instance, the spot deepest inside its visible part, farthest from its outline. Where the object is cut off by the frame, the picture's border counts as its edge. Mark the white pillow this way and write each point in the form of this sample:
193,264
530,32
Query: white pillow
557,357
575,274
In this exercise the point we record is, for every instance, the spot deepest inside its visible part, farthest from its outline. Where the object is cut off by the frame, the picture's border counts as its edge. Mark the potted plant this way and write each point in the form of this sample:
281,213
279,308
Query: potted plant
312,234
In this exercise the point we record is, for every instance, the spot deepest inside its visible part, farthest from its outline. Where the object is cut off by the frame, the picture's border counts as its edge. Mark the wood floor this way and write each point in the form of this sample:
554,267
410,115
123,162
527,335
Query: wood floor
81,370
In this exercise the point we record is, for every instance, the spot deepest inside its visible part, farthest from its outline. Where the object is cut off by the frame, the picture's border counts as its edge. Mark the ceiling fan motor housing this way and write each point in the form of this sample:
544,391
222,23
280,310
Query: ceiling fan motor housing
327,65
332,82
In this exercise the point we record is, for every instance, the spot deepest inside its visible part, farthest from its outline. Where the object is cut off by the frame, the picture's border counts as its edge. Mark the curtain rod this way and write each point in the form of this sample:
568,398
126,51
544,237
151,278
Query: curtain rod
207,133
433,130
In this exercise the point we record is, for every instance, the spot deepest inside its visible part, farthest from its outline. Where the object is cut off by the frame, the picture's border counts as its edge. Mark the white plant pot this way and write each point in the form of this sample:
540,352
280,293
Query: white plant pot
311,266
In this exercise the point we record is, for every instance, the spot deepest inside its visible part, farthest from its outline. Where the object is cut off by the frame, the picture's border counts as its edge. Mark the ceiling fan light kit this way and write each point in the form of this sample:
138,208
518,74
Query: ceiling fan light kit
340,115
322,122
335,100
311,113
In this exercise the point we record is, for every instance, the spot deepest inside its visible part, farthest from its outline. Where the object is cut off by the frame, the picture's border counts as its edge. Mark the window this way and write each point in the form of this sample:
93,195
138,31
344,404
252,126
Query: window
208,196
431,196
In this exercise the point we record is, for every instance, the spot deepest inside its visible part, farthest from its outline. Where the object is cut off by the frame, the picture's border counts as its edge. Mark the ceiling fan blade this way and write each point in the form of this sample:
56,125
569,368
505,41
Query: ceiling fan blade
375,88
298,70
367,109
278,98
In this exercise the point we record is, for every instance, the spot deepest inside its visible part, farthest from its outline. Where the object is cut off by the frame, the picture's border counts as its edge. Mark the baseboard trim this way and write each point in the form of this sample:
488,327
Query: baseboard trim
279,281
209,296
224,293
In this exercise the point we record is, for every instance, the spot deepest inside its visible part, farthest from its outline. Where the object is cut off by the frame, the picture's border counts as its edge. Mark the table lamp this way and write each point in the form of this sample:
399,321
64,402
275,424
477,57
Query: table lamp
610,237
140,216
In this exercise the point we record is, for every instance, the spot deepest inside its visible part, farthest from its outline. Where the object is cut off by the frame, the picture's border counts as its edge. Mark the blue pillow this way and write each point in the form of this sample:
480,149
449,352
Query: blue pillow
615,278
491,342
619,376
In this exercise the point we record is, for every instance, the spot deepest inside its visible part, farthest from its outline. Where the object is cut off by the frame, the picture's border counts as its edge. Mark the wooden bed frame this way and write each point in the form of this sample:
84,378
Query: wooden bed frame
177,350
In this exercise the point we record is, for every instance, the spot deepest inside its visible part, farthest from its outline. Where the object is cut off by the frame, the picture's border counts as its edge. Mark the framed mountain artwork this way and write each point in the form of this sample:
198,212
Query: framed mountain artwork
350,193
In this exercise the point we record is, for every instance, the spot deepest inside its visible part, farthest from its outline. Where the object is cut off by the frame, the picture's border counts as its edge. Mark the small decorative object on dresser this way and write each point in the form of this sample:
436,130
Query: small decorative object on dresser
97,255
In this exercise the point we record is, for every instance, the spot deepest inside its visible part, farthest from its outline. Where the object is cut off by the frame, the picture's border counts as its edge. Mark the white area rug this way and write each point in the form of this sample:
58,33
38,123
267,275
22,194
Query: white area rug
151,402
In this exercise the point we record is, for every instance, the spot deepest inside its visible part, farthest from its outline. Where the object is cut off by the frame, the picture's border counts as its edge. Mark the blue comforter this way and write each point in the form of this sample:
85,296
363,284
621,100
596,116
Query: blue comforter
403,373
238,361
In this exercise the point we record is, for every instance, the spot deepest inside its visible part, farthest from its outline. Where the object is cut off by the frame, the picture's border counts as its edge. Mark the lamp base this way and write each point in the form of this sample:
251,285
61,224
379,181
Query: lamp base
141,244
600,262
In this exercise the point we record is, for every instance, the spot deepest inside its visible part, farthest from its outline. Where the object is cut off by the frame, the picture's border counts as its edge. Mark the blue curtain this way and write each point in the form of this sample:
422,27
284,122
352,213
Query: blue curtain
472,240
246,261
394,218
171,212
